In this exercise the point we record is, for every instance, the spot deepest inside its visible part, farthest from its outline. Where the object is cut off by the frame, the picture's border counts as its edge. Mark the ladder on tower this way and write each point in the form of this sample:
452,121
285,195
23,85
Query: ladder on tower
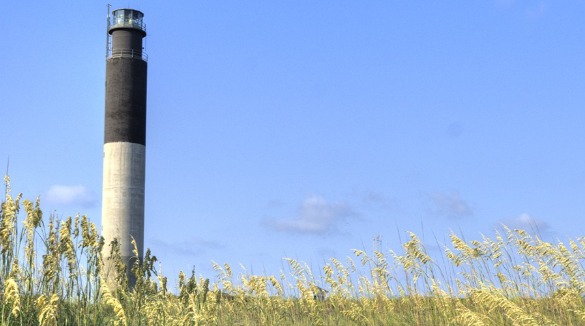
108,37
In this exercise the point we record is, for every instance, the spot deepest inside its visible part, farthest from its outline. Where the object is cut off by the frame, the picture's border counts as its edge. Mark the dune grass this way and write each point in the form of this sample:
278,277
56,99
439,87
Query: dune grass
51,273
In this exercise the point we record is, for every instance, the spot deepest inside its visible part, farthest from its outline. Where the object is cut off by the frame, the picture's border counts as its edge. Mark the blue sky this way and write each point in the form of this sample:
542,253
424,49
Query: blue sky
307,128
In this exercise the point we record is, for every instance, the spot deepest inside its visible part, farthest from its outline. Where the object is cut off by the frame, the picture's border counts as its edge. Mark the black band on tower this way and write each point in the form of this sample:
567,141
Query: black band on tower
125,119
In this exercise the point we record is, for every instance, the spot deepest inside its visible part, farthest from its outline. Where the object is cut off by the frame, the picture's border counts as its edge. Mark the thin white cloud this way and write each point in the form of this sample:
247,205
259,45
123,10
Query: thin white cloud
527,222
455,129
315,216
376,199
531,10
70,195
537,10
504,3
449,205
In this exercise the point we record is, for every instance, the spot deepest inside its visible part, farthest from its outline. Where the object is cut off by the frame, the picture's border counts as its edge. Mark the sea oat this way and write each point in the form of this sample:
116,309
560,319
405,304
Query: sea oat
12,296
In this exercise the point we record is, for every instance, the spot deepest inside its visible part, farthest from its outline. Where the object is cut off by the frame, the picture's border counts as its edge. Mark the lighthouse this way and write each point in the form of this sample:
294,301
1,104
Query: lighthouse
124,135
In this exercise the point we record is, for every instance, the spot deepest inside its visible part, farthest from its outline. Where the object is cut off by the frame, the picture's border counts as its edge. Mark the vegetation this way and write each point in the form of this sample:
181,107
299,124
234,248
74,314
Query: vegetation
52,274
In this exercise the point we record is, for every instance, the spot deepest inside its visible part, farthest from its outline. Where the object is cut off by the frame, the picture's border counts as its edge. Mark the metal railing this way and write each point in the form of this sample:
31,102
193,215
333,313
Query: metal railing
128,54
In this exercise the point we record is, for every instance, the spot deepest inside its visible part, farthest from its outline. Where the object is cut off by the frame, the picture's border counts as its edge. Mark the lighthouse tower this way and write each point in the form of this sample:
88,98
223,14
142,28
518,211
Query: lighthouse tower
124,135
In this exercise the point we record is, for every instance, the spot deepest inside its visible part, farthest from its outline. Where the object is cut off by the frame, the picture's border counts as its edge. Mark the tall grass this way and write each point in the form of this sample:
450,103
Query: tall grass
51,273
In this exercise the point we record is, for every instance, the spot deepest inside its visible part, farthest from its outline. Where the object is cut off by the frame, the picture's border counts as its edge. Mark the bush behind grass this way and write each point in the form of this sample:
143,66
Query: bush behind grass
51,273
